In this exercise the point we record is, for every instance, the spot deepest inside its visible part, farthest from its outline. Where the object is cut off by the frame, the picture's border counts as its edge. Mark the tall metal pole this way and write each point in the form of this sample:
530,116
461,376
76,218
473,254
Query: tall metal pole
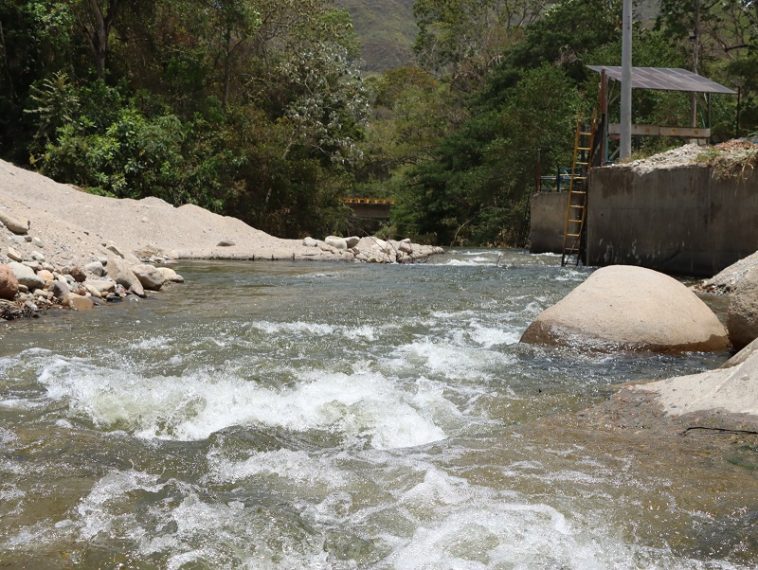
695,61
626,82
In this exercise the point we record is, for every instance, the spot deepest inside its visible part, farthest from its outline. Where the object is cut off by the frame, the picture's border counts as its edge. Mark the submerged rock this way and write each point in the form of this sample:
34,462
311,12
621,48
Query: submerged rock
630,308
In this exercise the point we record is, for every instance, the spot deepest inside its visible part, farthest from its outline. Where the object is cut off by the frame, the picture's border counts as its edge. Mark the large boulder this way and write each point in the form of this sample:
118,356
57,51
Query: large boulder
742,318
119,271
8,283
630,308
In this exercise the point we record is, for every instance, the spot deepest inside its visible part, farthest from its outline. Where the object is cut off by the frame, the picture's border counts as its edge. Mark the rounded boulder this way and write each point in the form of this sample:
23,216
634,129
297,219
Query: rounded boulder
630,308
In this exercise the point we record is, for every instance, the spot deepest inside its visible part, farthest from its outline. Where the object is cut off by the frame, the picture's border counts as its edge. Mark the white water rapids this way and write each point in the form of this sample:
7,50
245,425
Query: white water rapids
344,416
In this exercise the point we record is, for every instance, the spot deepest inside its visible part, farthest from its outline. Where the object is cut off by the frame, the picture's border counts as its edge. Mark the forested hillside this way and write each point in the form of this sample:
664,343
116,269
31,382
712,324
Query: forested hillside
386,31
259,108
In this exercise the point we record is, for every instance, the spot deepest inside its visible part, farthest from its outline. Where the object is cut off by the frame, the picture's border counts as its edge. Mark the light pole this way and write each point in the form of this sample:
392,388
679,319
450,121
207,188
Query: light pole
626,82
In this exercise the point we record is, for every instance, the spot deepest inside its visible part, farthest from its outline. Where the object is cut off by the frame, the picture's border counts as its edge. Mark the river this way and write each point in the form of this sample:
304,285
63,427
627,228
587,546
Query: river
296,415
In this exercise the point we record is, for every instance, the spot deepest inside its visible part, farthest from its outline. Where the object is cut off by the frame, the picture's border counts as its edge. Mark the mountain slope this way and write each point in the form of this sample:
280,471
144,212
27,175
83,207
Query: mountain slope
386,29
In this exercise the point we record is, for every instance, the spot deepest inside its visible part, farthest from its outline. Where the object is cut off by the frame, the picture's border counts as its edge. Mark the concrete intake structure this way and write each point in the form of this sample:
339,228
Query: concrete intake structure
679,219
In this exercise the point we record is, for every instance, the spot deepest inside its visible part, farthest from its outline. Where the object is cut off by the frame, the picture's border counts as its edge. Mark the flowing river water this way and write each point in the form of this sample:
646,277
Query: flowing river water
283,415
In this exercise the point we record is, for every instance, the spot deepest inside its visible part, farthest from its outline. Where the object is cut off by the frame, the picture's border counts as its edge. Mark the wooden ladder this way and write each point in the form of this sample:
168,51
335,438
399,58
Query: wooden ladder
576,206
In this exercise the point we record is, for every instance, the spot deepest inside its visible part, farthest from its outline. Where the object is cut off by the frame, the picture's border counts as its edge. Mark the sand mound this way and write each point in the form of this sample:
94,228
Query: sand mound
72,225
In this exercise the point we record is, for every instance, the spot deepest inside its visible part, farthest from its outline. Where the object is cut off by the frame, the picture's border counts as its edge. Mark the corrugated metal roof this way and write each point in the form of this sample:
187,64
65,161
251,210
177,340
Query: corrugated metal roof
665,79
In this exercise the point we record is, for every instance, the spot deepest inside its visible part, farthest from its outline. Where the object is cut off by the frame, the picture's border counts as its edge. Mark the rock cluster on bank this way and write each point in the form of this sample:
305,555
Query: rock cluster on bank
630,308
372,249
29,283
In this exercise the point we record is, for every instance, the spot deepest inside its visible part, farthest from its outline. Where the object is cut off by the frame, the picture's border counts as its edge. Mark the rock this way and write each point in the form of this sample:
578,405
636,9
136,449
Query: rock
732,389
730,277
79,302
28,238
92,290
46,276
113,248
352,241
170,275
742,316
336,242
405,246
14,255
38,242
630,308
8,283
375,250
26,276
37,256
78,274
148,276
95,268
742,355
310,242
121,274
225,243
13,224
60,289
101,286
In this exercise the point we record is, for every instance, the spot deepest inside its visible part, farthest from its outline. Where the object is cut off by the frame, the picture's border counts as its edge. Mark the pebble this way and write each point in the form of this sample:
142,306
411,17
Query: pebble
14,255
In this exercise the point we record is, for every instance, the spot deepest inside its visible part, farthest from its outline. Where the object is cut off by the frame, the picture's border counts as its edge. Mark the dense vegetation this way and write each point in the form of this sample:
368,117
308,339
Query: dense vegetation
259,108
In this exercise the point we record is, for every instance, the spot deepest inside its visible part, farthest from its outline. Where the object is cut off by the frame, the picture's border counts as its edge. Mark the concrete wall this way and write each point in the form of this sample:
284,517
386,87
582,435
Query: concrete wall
680,220
548,213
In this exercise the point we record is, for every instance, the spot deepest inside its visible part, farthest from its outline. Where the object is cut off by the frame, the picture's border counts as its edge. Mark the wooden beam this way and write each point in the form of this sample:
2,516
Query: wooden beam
656,131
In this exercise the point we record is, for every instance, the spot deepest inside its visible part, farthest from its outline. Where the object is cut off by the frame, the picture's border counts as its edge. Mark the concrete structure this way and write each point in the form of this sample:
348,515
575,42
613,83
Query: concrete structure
681,220
548,215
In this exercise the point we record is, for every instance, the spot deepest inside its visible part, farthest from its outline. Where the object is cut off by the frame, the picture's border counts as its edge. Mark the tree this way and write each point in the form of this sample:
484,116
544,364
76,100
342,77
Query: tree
466,38
96,18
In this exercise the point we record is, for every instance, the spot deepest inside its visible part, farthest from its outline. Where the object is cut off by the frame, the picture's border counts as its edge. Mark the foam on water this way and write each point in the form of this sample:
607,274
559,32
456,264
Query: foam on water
451,359
475,262
299,328
287,464
364,405
492,336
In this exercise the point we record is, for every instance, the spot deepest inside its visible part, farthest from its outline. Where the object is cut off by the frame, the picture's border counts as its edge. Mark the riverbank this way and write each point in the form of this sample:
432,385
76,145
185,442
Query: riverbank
94,244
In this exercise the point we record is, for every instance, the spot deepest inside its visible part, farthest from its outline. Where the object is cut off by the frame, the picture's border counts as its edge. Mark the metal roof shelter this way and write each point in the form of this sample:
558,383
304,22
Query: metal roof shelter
660,79
665,79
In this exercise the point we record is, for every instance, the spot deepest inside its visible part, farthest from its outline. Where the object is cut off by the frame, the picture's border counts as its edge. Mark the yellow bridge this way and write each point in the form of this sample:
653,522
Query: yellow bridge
367,208
355,200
